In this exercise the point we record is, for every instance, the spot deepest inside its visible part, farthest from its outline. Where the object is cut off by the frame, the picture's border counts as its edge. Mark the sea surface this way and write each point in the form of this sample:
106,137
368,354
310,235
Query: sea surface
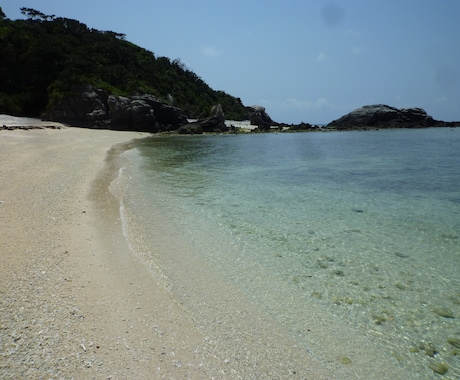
357,230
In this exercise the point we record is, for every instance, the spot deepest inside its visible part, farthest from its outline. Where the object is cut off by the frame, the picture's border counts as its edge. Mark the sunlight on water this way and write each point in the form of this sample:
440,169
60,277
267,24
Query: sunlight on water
365,226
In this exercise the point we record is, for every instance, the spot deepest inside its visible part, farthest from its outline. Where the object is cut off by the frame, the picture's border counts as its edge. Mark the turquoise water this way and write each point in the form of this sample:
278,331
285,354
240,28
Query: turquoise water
360,229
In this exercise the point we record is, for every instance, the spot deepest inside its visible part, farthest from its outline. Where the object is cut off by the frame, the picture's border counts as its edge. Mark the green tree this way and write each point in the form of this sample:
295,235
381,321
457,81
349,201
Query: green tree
44,56
36,15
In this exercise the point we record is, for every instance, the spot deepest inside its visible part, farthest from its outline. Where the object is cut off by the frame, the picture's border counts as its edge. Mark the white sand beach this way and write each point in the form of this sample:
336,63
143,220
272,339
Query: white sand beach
75,303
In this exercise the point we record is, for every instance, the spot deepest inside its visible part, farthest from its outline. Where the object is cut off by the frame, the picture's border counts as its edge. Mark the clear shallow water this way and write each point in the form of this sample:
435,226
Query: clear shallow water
360,227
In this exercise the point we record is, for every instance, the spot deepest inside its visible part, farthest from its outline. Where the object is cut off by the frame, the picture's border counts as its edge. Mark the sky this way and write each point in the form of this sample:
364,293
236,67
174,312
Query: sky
310,61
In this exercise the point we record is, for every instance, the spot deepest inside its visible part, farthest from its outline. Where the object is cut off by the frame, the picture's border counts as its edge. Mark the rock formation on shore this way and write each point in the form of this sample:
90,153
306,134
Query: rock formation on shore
260,118
214,123
383,116
95,108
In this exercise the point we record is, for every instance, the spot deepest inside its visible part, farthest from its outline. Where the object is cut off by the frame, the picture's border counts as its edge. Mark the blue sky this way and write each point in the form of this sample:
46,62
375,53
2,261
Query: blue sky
309,61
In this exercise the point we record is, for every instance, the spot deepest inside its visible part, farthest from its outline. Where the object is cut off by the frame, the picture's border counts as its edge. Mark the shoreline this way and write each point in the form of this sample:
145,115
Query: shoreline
58,294
75,301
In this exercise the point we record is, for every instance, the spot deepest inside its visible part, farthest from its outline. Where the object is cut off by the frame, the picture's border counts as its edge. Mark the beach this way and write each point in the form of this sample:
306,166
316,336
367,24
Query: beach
110,270
70,307
75,303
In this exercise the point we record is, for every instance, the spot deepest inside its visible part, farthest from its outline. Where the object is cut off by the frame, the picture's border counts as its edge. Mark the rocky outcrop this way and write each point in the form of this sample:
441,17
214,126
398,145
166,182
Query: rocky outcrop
95,108
383,116
260,118
214,123
88,106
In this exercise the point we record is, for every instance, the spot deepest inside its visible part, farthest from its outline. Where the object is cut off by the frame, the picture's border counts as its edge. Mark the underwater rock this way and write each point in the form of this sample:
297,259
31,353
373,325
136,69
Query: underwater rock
440,368
444,312
454,342
345,360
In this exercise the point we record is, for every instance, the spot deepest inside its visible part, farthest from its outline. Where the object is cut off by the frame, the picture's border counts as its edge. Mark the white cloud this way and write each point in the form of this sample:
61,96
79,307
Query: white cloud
320,57
210,51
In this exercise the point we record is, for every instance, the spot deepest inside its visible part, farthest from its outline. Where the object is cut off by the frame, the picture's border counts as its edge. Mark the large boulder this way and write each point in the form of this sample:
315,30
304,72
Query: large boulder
165,115
95,108
260,118
87,108
383,116
214,123
120,110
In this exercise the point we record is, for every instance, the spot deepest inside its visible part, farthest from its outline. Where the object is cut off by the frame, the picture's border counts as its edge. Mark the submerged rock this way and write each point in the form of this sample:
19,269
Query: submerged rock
454,342
444,312
439,368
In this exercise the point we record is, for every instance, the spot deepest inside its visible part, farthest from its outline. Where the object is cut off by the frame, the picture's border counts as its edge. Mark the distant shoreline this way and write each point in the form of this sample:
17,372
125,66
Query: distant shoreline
9,122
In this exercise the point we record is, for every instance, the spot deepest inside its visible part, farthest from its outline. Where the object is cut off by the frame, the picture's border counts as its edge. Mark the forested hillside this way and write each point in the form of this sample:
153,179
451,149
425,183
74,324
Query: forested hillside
43,56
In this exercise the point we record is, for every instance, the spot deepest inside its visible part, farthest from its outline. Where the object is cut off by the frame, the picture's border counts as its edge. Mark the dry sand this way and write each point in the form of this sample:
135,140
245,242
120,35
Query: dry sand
74,301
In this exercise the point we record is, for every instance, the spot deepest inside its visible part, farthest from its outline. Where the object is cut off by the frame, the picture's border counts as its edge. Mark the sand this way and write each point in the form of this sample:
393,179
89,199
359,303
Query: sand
74,301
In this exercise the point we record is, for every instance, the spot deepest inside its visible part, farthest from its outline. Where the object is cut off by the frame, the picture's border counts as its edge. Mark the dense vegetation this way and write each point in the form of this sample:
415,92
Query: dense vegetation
43,56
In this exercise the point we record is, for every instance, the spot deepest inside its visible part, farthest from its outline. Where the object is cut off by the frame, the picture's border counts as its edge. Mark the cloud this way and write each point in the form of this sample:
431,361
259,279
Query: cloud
210,51
320,57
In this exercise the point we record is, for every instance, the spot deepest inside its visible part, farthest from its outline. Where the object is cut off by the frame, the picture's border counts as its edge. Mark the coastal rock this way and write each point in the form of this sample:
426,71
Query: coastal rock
131,113
89,108
214,123
165,115
95,108
141,114
383,116
170,116
120,111
260,118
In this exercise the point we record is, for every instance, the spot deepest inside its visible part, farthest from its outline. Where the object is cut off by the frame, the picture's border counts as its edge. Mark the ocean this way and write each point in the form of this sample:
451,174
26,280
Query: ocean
348,241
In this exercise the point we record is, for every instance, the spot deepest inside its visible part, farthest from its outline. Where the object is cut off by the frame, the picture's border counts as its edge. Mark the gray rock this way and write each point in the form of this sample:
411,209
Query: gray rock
92,107
88,107
260,118
120,110
142,113
214,123
383,116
